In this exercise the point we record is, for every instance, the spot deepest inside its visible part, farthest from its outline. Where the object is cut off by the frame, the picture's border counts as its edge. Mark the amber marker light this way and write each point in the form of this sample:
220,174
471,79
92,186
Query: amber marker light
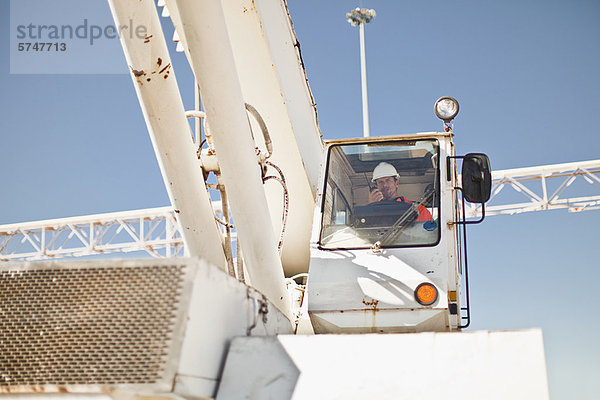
426,294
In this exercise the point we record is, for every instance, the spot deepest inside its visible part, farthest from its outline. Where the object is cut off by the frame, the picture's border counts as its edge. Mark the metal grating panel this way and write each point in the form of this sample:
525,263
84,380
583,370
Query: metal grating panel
106,326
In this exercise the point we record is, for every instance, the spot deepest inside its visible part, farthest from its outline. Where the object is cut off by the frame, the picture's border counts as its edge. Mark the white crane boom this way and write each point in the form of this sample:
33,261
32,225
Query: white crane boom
158,93
213,65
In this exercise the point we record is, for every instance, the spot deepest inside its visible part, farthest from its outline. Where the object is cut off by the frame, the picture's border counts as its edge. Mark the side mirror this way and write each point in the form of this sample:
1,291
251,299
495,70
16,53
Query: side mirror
476,178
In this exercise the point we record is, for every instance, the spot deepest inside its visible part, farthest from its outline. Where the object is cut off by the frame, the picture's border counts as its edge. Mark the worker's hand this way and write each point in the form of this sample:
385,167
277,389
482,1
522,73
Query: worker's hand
375,195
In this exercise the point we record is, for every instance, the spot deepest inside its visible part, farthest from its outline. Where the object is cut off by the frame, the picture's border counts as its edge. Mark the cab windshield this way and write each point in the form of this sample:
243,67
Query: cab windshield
385,193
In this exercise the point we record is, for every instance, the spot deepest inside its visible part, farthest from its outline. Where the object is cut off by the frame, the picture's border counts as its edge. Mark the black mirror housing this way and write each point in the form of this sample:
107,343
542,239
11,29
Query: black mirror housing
476,178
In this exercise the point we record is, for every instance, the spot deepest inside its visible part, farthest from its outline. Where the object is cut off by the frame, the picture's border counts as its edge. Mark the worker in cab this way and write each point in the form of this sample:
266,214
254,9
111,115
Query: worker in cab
386,179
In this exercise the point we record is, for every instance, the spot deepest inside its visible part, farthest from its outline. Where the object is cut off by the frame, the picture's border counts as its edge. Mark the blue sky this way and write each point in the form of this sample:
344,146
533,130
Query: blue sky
524,72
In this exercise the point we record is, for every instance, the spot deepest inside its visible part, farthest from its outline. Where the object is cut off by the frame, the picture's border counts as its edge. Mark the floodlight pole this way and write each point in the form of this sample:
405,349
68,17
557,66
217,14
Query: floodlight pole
363,78
360,17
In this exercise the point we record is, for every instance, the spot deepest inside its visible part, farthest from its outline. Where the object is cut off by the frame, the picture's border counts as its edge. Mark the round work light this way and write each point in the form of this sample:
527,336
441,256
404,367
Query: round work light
446,108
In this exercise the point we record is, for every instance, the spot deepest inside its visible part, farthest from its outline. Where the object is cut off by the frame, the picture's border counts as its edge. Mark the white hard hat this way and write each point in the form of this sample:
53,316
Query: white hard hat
384,169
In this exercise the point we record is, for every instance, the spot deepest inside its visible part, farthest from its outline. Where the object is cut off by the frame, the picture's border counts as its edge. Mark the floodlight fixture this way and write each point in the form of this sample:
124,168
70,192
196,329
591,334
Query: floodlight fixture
446,108
360,16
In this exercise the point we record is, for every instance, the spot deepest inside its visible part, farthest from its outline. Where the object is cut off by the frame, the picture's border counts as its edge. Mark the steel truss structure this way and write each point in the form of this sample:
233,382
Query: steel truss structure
156,231
545,187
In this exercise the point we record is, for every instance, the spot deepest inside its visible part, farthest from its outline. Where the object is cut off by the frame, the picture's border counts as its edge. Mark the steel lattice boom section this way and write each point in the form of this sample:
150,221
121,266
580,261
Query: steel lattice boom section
540,188
154,231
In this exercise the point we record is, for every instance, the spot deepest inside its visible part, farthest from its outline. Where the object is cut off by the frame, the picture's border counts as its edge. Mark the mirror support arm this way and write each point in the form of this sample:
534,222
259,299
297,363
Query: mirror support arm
464,221
448,170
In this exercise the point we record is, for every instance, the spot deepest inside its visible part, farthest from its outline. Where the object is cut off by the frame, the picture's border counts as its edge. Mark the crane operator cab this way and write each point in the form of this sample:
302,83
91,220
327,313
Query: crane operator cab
385,244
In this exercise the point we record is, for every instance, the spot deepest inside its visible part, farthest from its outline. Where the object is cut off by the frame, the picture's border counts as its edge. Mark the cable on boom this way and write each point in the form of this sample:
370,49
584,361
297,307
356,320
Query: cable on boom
281,179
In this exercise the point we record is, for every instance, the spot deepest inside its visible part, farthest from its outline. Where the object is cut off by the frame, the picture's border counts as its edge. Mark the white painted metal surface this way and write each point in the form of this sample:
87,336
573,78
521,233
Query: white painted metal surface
220,308
543,187
203,24
359,291
261,89
209,309
496,365
356,291
284,50
155,84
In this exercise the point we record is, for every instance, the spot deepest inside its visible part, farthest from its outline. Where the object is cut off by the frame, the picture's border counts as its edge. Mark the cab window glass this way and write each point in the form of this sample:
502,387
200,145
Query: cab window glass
381,192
